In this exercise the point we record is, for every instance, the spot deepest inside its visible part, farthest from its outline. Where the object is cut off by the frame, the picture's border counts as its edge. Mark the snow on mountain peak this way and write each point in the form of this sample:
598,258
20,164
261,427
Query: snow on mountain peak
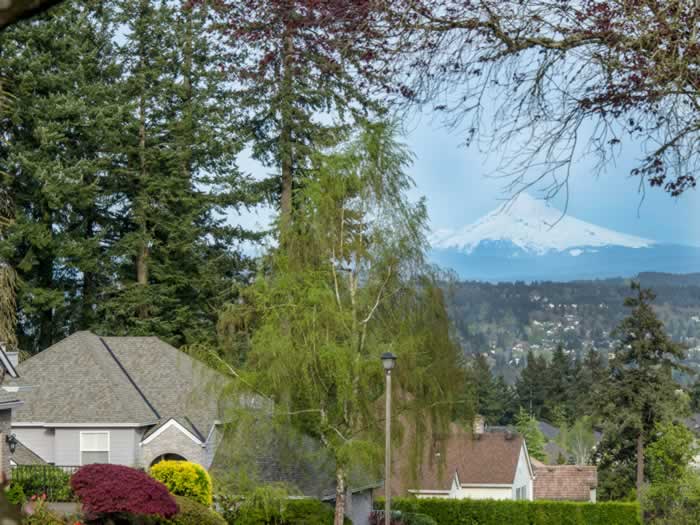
535,227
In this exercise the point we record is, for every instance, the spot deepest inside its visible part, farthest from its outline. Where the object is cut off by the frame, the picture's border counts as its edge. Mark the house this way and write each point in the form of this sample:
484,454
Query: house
8,402
137,400
565,482
476,465
124,400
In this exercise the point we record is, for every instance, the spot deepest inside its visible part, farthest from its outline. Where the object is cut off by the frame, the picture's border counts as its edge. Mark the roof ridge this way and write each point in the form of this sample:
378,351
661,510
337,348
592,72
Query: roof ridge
129,378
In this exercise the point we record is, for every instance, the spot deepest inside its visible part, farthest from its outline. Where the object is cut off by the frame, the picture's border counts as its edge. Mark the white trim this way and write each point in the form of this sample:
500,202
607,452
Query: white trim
418,491
487,485
14,389
171,423
109,447
79,425
7,364
11,404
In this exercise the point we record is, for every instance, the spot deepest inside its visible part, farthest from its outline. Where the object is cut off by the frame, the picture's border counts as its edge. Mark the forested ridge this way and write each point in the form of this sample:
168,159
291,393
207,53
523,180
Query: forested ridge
506,320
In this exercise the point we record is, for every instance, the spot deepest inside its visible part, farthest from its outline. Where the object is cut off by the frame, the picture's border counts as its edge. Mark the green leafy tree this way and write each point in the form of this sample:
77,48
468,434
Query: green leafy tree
578,439
639,392
534,439
355,287
674,493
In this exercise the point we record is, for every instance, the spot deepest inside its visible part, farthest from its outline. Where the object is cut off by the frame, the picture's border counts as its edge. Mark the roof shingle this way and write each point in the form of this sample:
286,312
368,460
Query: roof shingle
564,482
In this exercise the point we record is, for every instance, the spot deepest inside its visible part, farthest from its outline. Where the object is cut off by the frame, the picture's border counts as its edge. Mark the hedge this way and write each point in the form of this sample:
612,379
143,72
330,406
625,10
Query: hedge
184,478
492,512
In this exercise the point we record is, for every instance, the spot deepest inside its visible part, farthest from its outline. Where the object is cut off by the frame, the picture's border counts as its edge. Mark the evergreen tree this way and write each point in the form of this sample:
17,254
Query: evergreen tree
534,439
639,392
558,382
57,155
493,398
531,385
305,70
176,257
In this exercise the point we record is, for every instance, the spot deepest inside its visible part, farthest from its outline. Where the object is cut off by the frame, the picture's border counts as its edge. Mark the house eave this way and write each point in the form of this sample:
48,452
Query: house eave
107,424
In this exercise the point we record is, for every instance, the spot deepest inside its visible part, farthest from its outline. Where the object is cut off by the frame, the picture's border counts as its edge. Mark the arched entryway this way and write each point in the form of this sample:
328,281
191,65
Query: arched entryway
168,457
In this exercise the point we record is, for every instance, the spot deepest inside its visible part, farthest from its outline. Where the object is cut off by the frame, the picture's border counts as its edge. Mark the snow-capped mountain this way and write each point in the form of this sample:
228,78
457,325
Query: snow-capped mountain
529,240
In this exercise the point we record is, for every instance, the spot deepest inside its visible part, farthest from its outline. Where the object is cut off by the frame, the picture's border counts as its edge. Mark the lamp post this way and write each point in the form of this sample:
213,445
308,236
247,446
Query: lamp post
388,360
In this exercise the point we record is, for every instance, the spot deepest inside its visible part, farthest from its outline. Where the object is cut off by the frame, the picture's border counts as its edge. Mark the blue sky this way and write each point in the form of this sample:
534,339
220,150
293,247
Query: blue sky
454,179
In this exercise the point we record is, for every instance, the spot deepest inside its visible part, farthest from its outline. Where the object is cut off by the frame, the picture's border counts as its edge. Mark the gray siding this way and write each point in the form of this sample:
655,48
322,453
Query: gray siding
38,440
62,445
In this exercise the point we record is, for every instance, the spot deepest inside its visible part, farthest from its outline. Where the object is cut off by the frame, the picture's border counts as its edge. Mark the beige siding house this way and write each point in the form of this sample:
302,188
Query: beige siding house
475,465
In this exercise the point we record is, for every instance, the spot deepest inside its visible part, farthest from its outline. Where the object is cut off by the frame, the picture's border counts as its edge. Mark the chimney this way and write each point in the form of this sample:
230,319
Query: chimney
479,425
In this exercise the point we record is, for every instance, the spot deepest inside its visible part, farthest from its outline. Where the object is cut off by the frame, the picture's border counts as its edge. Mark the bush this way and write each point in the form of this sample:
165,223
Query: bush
15,494
271,506
184,479
194,513
40,514
108,491
491,512
401,518
43,479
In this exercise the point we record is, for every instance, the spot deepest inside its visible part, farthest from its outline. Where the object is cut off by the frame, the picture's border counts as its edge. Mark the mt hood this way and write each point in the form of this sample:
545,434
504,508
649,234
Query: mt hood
528,240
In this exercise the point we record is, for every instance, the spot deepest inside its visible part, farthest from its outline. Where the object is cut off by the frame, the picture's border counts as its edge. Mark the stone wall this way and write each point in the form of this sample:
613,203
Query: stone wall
5,430
173,441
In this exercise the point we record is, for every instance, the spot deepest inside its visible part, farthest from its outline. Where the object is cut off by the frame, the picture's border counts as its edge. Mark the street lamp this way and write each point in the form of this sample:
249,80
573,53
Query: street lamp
388,361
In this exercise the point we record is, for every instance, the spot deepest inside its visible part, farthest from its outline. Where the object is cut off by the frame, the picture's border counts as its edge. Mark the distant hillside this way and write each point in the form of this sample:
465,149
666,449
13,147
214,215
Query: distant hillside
508,319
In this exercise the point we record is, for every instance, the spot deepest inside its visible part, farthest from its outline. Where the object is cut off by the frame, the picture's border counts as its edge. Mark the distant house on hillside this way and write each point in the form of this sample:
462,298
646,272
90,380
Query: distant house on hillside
479,465
565,482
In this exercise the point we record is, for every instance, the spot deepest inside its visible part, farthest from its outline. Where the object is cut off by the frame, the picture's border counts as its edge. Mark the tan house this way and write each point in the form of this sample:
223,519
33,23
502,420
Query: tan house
474,465
565,482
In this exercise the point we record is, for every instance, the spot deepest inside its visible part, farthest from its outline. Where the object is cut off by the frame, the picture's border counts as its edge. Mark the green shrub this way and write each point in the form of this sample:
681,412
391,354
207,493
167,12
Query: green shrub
272,506
15,494
492,512
184,478
43,479
194,513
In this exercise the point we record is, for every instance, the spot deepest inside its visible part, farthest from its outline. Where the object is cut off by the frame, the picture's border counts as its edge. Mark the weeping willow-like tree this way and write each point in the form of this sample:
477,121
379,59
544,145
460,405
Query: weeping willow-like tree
8,277
350,284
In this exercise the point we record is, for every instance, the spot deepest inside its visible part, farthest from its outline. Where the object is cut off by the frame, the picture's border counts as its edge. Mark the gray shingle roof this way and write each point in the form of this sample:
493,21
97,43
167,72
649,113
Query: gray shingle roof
141,380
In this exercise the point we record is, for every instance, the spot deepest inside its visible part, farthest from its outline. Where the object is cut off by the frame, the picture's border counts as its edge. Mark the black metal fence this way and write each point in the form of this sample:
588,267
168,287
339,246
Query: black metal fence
52,480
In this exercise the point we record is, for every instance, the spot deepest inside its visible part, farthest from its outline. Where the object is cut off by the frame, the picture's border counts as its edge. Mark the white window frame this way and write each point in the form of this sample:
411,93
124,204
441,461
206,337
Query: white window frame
109,445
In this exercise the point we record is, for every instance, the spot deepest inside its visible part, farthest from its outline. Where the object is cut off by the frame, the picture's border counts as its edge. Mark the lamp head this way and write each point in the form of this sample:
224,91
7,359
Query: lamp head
389,361
11,440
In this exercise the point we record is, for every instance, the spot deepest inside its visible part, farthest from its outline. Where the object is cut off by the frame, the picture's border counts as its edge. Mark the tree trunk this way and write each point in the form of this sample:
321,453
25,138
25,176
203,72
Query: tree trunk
640,464
141,198
339,496
286,139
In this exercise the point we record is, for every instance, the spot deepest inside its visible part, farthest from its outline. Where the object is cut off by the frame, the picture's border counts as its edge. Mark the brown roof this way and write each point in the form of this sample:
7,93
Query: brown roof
489,458
564,482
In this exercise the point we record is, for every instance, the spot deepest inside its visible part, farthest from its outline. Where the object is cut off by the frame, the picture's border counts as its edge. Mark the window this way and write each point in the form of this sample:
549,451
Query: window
521,493
94,447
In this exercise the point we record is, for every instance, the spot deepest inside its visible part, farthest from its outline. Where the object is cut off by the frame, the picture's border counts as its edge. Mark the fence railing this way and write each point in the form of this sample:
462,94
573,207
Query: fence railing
52,480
